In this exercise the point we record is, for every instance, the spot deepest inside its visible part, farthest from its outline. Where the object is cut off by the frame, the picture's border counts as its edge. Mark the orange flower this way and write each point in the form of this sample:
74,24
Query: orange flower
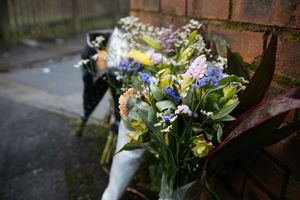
101,62
123,102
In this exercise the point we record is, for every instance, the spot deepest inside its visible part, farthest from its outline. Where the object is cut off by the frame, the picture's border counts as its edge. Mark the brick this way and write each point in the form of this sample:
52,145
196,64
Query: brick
177,7
287,152
137,4
268,173
174,21
293,190
208,9
288,59
252,191
152,5
248,44
147,18
284,13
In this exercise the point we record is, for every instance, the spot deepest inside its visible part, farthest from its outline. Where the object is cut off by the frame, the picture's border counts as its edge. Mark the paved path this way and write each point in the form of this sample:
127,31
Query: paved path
40,158
58,90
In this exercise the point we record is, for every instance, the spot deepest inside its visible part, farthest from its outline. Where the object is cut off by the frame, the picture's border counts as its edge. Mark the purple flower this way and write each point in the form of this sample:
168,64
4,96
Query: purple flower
129,65
145,77
167,38
198,68
167,118
172,93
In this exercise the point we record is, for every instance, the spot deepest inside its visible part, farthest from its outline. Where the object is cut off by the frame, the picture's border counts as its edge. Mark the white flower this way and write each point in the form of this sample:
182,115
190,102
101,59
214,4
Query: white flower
208,114
81,62
98,41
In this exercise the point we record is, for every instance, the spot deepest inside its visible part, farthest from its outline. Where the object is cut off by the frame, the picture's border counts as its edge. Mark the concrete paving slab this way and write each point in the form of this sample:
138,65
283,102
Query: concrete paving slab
69,105
59,78
21,55
40,157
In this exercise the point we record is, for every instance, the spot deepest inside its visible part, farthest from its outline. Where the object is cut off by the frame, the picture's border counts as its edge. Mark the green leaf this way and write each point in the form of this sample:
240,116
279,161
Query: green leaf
224,111
156,92
164,105
260,82
228,79
209,91
142,105
219,133
150,41
228,118
131,147
151,114
187,82
186,54
192,36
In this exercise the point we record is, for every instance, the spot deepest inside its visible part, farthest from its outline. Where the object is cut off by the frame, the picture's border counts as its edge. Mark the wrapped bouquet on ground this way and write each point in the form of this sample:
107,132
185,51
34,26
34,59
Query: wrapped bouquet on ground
196,111
180,102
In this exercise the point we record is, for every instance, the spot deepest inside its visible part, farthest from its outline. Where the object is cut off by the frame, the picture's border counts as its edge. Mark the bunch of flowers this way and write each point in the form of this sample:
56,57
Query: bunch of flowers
192,109
176,100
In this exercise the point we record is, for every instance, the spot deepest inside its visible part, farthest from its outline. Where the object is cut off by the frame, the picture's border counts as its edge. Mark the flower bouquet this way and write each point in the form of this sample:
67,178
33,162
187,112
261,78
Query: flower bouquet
193,110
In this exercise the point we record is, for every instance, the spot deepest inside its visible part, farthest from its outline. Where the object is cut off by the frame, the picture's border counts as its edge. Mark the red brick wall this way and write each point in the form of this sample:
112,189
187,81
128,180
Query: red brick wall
274,173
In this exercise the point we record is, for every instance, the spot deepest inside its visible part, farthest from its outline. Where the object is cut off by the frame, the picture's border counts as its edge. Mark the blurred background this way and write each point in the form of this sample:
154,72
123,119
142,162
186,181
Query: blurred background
41,100
41,18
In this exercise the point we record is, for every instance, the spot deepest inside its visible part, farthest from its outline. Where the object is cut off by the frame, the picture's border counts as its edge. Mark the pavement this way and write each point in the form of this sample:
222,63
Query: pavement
45,78
40,103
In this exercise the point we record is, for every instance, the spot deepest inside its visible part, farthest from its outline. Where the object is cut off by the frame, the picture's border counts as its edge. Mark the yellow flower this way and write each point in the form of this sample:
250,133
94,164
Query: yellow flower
134,136
139,56
123,102
138,125
202,147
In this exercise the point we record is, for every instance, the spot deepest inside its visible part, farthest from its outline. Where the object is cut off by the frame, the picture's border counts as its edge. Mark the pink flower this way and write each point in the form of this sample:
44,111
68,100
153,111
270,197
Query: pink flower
184,109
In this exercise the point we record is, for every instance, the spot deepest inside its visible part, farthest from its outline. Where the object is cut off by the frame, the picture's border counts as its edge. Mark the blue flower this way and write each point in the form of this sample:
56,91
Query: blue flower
172,93
215,72
167,118
203,81
129,65
194,86
145,77
215,81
